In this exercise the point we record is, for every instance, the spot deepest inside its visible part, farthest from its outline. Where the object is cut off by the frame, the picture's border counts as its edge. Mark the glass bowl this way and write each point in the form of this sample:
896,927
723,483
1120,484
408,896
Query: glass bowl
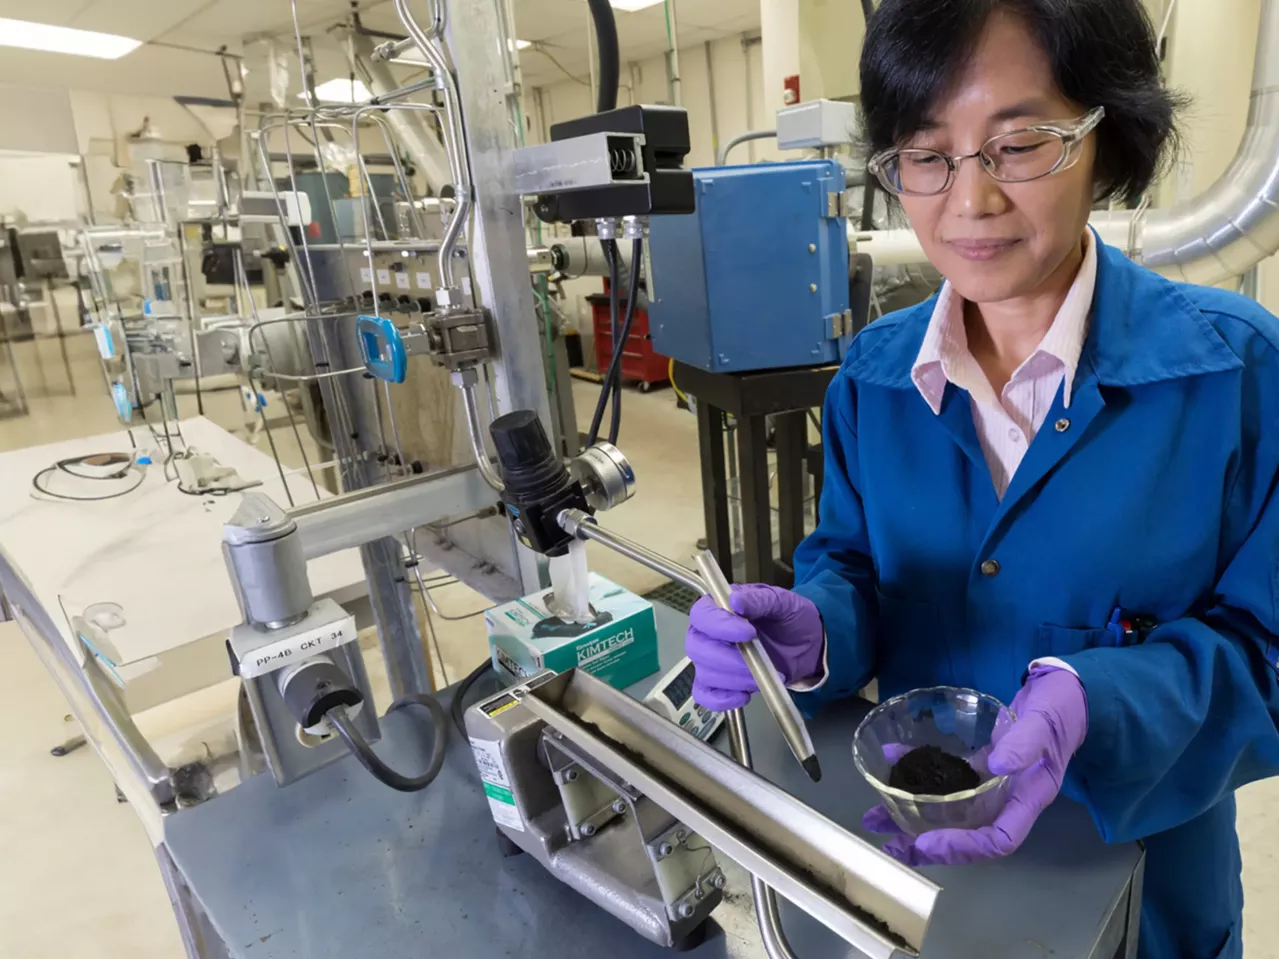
960,721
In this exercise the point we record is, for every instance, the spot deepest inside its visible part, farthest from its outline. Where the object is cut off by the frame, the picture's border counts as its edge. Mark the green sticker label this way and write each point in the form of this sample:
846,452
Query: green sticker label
500,793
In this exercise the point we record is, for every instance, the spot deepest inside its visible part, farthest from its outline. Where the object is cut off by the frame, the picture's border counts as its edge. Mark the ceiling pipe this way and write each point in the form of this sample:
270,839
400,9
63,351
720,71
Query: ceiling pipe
1234,225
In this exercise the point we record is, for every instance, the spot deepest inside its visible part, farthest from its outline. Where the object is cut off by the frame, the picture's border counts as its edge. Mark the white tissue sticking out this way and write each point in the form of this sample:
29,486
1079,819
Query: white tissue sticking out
571,584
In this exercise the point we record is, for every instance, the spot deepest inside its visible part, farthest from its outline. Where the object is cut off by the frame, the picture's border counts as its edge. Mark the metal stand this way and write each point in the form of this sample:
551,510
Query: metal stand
752,399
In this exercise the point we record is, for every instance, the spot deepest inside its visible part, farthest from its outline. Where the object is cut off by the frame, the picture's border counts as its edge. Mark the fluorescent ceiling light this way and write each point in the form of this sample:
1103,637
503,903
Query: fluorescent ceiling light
339,90
630,6
51,39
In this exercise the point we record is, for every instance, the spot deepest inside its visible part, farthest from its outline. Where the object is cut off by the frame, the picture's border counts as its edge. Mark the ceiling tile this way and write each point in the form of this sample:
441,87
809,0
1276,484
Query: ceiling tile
138,19
59,13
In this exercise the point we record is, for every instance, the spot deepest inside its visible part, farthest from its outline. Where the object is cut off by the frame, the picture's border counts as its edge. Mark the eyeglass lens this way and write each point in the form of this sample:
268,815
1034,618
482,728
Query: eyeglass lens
1011,157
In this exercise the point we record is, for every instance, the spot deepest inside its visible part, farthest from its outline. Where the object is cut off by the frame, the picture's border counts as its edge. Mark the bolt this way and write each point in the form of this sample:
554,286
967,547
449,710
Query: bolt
665,849
686,910
719,882
571,775
588,829
619,807
812,288
812,248
681,835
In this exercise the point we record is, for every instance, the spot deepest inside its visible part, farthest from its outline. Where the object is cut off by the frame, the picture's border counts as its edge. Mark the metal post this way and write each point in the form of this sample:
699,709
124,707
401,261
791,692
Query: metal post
757,516
672,55
498,254
792,431
710,440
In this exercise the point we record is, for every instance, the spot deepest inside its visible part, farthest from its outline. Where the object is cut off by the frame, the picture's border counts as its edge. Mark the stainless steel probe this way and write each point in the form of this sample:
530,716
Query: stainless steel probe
775,696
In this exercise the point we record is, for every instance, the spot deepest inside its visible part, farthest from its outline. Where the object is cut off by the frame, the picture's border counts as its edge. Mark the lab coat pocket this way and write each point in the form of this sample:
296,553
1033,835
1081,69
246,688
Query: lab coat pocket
1064,640
912,650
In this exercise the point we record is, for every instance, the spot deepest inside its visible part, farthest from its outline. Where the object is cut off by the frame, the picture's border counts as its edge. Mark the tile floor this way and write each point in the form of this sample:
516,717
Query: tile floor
77,877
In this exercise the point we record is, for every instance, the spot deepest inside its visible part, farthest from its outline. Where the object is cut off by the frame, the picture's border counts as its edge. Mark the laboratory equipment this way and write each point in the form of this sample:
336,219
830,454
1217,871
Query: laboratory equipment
774,694
582,777
297,657
961,722
758,277
672,698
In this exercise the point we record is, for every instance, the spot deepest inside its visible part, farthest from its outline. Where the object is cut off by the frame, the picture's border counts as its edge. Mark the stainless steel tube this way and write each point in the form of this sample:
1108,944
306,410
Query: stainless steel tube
579,524
770,921
774,694
455,142
476,432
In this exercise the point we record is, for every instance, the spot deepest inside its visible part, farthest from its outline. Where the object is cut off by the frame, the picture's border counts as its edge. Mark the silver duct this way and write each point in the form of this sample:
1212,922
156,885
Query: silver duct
1234,225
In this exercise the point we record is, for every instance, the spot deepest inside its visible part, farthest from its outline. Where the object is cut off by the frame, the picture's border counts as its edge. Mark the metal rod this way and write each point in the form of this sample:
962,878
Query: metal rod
476,433
455,142
577,523
774,694
770,922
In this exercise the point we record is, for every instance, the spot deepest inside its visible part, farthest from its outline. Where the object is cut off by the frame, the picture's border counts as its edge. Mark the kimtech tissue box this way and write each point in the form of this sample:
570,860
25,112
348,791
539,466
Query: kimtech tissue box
619,645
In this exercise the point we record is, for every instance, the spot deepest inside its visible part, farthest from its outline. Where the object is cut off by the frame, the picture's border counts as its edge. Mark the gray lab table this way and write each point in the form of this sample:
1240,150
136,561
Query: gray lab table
338,865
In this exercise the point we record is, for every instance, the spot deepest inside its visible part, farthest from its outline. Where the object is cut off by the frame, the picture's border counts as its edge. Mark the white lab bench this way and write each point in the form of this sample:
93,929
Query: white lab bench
154,552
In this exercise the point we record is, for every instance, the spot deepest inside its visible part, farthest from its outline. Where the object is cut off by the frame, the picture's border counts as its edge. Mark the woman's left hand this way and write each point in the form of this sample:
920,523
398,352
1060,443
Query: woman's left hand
1052,720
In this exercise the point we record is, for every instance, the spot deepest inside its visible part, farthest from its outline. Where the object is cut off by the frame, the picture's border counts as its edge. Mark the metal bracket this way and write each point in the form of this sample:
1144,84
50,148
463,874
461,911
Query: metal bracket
838,204
840,325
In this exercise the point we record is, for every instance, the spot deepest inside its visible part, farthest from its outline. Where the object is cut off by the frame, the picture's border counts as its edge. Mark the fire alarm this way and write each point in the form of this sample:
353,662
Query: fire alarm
790,90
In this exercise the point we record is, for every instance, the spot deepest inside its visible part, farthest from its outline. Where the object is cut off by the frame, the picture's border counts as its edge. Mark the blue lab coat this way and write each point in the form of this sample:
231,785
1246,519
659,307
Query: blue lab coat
1154,492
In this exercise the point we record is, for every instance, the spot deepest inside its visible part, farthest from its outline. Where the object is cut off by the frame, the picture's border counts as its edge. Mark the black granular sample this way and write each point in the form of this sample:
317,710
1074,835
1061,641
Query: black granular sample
931,771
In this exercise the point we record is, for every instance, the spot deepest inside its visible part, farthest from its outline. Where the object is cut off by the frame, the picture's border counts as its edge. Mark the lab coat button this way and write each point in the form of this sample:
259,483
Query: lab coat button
990,567
1063,424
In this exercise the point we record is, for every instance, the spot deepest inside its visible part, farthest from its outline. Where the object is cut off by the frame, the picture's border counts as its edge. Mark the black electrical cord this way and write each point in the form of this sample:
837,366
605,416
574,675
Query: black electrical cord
65,466
615,367
609,58
381,771
612,383
612,256
457,708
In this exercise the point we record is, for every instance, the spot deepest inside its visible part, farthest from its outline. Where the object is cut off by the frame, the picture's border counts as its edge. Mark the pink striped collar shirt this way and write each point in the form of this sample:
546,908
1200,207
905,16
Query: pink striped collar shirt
1007,424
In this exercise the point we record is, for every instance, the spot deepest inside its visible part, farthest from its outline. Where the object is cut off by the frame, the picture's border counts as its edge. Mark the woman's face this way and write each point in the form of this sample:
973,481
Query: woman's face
999,241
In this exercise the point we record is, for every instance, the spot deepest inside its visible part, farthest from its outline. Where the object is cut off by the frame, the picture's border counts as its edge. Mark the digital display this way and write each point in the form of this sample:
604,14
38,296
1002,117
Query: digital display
679,689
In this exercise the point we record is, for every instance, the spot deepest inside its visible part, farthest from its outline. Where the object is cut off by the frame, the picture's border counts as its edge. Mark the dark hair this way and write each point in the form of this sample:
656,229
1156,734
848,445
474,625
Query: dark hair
1102,54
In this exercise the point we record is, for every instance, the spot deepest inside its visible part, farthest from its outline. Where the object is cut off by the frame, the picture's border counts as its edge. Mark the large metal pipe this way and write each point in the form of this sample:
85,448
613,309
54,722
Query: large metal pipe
1234,225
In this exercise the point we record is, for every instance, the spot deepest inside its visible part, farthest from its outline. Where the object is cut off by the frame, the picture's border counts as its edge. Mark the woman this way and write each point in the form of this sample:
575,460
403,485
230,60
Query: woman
1055,480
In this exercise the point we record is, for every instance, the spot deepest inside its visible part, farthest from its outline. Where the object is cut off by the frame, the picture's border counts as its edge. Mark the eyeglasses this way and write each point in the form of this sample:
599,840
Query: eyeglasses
1016,157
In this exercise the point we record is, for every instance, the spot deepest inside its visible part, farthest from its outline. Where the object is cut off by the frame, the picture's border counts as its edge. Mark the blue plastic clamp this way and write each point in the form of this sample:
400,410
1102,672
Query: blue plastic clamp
123,402
382,348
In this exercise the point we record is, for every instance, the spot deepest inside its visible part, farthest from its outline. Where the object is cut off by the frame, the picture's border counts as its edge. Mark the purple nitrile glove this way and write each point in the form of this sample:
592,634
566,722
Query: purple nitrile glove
789,628
1052,720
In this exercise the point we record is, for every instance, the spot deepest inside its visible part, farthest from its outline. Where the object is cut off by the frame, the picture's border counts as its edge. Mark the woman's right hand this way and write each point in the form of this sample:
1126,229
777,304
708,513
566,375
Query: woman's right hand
788,626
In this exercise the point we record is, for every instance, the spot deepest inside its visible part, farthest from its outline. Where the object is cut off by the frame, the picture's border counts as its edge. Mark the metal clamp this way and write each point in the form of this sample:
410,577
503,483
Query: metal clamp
460,338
